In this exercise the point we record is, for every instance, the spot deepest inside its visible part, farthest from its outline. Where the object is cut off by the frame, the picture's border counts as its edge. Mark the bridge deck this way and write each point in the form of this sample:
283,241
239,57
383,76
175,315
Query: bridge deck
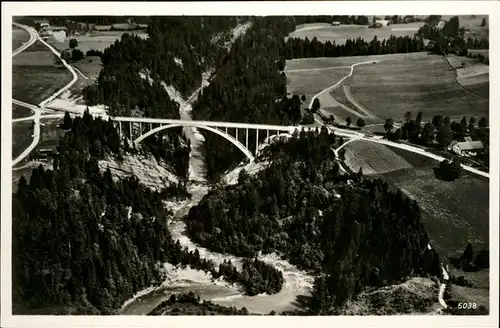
205,123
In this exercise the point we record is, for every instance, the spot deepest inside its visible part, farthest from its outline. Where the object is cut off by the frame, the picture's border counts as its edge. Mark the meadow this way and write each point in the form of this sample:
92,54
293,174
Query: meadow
326,62
32,84
474,77
310,82
96,40
19,37
34,76
89,66
454,213
20,111
326,32
21,137
312,75
427,84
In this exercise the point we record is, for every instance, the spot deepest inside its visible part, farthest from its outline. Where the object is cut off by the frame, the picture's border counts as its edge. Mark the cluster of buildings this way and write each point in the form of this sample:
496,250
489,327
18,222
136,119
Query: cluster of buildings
377,23
79,28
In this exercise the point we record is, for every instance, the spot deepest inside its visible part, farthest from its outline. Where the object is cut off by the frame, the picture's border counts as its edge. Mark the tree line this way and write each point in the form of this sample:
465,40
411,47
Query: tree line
450,38
351,231
83,243
189,304
440,131
119,84
249,86
305,48
342,19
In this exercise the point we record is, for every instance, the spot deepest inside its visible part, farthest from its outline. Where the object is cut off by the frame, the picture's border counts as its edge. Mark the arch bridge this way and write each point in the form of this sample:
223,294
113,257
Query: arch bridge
239,134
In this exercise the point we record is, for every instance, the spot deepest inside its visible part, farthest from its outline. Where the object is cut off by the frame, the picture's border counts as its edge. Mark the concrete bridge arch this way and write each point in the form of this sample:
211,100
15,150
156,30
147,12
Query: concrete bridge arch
223,134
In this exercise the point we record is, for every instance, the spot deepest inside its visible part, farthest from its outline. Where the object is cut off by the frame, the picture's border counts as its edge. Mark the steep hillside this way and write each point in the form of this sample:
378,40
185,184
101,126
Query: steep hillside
369,236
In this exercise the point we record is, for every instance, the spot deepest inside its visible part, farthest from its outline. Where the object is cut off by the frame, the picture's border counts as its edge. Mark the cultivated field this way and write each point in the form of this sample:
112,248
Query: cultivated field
21,137
19,111
424,83
19,37
375,158
454,213
34,58
474,77
326,32
324,62
97,41
394,85
309,82
32,84
34,76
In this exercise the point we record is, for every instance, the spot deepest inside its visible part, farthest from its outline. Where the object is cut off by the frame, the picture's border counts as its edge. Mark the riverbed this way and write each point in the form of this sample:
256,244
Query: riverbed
296,283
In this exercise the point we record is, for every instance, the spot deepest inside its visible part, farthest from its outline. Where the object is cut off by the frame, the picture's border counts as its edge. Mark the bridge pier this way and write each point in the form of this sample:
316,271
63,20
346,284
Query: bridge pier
246,139
120,128
236,134
256,141
130,130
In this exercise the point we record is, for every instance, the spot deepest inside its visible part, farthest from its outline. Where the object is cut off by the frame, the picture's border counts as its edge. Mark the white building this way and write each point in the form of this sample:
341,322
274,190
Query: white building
382,22
465,147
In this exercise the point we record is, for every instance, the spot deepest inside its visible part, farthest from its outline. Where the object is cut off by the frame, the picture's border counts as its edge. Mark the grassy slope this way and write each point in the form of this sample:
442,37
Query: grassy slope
454,213
312,82
402,82
339,34
19,36
425,84
373,158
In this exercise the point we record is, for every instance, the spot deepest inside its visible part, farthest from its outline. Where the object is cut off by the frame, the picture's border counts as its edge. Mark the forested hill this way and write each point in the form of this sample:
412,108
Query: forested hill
248,87
83,243
177,52
352,231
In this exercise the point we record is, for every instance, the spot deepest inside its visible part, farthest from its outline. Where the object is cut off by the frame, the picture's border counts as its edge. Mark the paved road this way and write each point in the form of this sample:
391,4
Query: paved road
341,132
378,139
33,38
342,80
38,110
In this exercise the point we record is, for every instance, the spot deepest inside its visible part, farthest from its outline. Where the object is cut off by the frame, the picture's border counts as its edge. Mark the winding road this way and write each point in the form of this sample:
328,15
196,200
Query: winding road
377,139
38,110
361,136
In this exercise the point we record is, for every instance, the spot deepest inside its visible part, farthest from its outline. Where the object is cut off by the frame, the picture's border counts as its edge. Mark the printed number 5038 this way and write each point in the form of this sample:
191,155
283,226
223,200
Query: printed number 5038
467,305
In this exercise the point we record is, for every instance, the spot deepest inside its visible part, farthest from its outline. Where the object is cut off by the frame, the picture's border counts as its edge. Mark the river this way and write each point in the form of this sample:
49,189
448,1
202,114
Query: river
184,280
180,280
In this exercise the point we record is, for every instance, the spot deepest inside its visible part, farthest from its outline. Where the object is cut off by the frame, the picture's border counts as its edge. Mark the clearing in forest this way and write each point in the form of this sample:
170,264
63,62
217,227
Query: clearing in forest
326,32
